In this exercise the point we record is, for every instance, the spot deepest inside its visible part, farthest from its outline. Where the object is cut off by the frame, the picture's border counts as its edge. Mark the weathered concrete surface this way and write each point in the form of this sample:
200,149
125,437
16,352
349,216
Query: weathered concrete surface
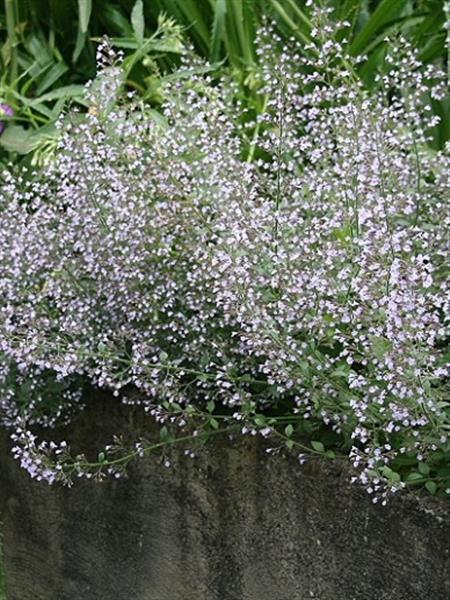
230,525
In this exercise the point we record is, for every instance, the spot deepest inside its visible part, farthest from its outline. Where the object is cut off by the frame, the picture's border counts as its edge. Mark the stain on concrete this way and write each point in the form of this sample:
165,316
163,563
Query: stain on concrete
233,524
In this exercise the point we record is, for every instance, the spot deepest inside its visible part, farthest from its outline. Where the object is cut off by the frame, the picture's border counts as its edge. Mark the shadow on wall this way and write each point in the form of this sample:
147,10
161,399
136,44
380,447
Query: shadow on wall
2,576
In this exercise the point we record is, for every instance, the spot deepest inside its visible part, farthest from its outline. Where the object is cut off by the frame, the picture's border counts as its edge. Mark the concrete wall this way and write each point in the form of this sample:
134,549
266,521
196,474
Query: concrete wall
230,525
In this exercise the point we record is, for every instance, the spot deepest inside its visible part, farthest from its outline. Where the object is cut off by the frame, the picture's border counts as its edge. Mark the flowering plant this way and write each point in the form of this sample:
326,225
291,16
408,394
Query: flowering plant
282,274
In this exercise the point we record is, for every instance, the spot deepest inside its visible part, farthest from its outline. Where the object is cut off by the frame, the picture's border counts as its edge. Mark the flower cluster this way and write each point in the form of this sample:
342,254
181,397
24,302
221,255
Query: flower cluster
288,267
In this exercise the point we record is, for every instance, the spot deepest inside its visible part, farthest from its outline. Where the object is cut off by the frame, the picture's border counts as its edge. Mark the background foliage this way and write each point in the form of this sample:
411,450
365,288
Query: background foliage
48,47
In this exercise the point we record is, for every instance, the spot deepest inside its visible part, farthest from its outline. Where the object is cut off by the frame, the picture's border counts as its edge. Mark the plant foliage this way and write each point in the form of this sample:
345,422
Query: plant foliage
284,276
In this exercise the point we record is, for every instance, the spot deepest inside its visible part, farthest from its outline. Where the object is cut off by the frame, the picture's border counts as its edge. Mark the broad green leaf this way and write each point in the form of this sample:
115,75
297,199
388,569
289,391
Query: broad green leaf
17,139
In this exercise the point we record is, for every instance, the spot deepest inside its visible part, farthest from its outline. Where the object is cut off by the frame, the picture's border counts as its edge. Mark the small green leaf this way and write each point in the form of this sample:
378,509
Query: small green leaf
101,457
289,430
164,434
214,423
423,469
318,446
289,444
414,476
431,487
211,406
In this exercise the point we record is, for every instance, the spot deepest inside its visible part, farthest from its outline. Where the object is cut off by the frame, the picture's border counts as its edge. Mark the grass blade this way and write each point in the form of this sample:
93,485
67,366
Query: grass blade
386,11
137,21
84,16
218,29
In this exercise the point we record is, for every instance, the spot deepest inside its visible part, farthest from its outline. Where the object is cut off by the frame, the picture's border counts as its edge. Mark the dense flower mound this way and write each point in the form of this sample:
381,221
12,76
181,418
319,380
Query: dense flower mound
285,274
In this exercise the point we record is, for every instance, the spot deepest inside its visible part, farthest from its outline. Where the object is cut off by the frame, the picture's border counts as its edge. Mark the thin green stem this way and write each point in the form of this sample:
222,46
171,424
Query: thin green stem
128,457
10,13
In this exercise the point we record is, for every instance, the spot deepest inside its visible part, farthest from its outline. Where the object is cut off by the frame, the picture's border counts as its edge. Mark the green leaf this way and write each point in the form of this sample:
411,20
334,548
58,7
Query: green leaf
116,20
431,487
214,423
239,40
17,139
414,476
195,19
318,446
289,430
67,91
289,444
341,372
218,27
211,406
84,14
260,420
296,30
390,474
137,21
164,434
423,469
386,11
53,75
